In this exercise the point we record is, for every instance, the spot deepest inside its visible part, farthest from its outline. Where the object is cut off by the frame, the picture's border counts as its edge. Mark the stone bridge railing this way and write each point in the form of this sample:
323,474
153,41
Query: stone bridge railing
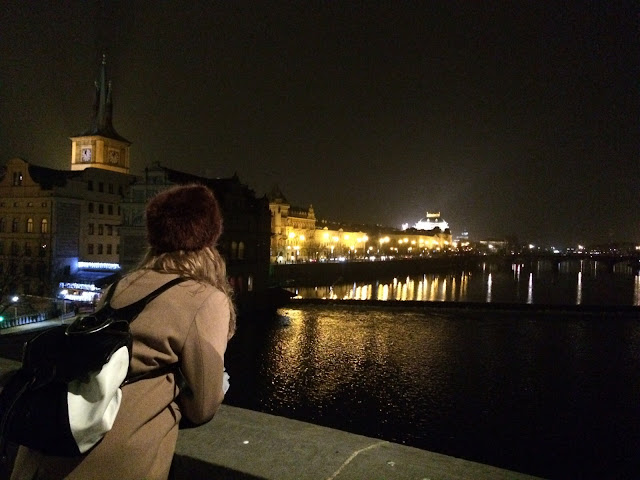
241,444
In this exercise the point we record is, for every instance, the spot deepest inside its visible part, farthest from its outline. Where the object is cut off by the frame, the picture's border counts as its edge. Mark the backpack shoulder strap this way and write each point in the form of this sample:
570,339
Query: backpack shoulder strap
131,311
110,292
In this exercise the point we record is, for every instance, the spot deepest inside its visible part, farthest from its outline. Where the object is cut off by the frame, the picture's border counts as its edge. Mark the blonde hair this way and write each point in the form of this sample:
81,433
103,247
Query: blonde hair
205,266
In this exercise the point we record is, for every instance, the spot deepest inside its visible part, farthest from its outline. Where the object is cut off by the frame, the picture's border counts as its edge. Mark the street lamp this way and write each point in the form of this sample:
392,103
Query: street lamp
14,300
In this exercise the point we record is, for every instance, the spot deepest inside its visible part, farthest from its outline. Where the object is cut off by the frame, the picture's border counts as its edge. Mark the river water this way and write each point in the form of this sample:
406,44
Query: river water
584,284
552,395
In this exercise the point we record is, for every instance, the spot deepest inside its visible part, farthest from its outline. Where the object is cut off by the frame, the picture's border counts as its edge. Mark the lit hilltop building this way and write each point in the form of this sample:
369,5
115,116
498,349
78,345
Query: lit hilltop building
431,222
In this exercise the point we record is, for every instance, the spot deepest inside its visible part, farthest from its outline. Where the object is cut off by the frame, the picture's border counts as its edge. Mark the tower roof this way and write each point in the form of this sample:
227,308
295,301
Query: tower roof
276,195
102,121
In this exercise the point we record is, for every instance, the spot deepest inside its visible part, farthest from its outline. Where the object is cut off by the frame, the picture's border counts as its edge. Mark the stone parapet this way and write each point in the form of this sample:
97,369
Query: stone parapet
241,444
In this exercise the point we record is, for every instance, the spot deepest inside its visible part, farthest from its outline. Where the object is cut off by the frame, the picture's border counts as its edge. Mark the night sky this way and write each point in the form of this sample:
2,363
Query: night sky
510,118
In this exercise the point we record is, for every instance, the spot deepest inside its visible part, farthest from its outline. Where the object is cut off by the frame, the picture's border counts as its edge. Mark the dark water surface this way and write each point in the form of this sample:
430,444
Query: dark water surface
553,396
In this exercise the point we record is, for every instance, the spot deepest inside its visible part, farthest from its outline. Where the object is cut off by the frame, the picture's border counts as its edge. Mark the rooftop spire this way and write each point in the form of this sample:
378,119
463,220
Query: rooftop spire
101,123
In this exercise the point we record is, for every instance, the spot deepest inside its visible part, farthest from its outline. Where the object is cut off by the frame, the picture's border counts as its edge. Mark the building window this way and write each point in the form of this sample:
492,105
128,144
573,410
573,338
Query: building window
91,230
1,247
109,229
90,185
111,188
2,224
234,250
27,270
90,249
118,210
14,248
109,247
101,208
27,249
30,225
110,209
43,250
101,187
44,204
90,207
17,179
241,251
100,229
14,225
29,204
44,226
99,249
118,249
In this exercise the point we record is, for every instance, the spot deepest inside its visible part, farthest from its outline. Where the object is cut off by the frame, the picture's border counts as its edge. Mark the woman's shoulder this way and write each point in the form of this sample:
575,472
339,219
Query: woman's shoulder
139,283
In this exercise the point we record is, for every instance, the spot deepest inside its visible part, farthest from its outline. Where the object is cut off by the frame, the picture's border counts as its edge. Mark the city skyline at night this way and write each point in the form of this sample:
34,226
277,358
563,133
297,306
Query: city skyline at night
515,119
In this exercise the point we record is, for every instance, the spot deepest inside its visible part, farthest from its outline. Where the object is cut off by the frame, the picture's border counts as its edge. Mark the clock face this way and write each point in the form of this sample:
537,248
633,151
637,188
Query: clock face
114,156
86,154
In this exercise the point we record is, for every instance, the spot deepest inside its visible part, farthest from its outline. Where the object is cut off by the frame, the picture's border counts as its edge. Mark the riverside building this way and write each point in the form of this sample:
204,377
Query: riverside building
60,228
297,236
70,232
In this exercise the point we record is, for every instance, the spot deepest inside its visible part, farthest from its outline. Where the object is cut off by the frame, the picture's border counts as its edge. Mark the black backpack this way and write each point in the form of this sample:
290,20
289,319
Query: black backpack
52,402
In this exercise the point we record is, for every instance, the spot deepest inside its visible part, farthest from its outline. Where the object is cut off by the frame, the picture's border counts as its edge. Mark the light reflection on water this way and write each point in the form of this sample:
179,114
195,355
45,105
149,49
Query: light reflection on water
490,387
588,287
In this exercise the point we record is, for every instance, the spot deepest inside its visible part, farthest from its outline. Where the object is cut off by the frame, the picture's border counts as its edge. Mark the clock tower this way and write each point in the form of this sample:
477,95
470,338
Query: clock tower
101,146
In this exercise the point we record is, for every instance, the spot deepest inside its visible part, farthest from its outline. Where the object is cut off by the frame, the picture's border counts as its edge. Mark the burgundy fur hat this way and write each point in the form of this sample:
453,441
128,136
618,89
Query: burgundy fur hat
183,218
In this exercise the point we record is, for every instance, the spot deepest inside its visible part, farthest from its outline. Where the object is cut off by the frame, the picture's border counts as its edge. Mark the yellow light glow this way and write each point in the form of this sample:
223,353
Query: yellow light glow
326,236
292,235
346,236
302,238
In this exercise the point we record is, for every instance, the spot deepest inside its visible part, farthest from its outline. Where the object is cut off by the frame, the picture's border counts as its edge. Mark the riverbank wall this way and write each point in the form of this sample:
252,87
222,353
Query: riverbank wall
329,273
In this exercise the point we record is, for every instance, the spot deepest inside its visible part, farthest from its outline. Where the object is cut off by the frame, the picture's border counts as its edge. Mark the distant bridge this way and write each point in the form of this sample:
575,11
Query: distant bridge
556,259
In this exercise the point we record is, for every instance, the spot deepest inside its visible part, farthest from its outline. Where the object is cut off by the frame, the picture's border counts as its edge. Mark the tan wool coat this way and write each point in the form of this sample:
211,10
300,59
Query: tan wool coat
188,323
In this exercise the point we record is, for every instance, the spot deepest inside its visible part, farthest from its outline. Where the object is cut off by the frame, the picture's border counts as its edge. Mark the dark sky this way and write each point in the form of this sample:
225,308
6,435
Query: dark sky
511,118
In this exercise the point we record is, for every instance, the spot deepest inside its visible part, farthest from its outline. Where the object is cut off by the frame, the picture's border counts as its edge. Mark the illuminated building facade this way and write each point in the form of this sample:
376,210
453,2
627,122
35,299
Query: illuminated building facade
58,226
292,229
432,221
340,244
296,236
61,227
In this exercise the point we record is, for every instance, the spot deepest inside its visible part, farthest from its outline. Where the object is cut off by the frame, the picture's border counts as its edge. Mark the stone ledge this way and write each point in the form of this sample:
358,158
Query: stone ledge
243,444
